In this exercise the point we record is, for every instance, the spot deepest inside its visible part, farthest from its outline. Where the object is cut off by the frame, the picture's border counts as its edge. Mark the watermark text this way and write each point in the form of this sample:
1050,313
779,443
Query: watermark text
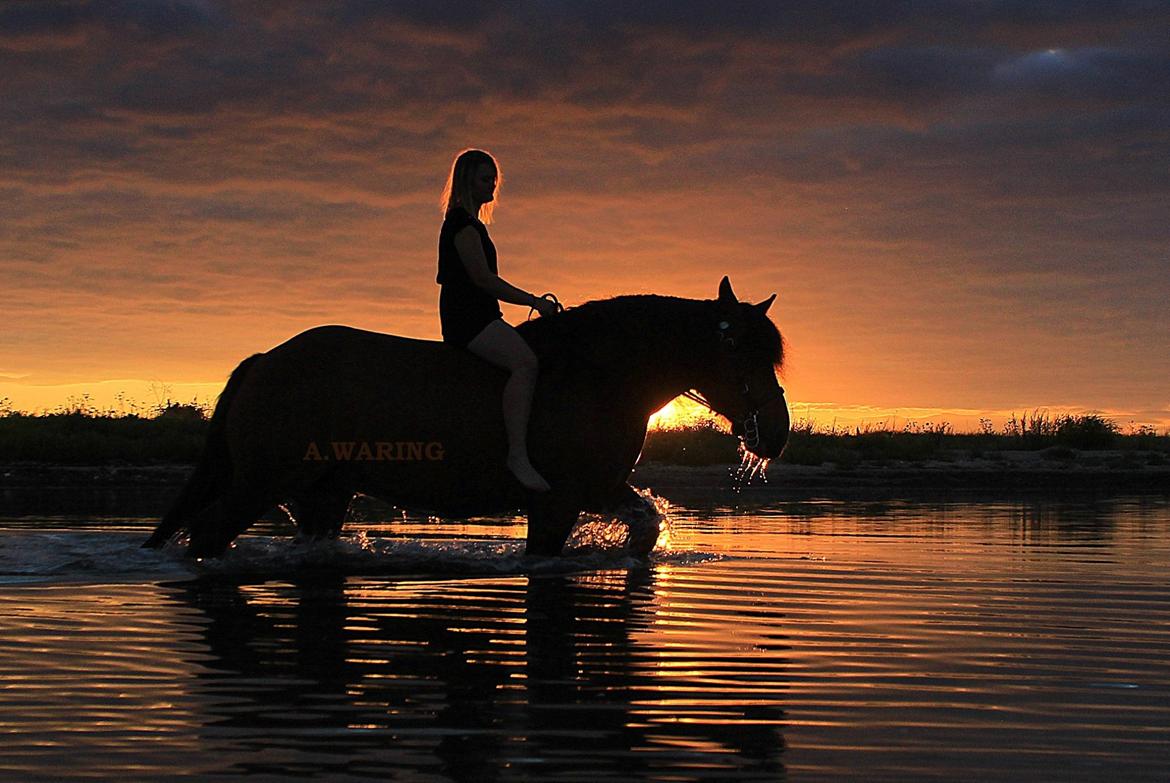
374,451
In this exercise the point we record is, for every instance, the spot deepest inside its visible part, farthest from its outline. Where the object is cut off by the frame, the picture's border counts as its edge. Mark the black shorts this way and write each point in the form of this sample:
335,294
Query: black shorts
462,319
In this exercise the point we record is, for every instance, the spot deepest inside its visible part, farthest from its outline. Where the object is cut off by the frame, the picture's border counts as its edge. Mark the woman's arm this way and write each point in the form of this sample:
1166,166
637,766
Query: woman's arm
470,248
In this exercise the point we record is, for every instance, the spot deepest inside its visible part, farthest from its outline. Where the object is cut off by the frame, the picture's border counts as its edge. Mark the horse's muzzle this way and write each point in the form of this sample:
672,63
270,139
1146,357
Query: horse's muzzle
765,431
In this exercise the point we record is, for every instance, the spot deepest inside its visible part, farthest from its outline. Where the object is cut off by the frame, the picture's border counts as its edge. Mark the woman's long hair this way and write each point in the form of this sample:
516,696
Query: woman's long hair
457,192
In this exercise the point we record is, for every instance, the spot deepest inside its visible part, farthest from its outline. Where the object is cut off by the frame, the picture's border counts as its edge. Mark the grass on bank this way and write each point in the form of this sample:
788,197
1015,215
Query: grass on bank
173,433
80,434
1059,437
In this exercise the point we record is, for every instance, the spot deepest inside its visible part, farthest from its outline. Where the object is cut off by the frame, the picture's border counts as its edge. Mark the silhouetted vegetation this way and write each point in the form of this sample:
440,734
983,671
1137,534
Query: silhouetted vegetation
699,444
80,434
173,433
1060,437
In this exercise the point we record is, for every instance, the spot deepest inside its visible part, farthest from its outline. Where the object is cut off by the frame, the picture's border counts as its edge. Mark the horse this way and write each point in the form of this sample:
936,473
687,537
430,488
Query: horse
335,411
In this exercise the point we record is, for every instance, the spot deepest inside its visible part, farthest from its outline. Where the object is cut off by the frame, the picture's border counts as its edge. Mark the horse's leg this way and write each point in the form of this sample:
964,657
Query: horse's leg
320,512
623,495
218,525
609,501
551,516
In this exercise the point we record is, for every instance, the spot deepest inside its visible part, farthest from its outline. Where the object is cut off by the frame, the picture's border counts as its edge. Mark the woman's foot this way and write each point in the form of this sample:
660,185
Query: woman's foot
526,474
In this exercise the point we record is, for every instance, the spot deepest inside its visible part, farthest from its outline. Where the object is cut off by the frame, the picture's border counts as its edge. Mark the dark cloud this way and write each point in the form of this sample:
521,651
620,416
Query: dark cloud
19,19
856,147
157,17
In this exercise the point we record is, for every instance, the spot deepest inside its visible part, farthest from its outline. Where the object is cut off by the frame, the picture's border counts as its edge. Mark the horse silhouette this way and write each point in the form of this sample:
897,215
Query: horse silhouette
336,411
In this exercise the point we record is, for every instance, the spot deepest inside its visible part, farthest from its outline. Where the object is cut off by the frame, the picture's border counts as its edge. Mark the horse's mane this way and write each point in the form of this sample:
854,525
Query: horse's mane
618,320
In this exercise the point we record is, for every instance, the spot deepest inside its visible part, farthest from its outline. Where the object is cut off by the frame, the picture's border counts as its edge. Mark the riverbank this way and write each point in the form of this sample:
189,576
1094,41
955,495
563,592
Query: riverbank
1007,472
1010,473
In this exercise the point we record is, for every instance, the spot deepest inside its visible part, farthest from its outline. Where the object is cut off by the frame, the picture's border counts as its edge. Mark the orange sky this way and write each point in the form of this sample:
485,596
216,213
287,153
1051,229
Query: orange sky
962,216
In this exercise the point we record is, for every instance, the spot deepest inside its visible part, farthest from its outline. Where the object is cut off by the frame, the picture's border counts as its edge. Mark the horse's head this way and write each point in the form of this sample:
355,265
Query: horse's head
741,382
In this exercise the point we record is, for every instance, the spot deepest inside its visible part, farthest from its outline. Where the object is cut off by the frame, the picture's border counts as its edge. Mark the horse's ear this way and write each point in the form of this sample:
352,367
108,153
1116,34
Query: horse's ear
764,305
726,295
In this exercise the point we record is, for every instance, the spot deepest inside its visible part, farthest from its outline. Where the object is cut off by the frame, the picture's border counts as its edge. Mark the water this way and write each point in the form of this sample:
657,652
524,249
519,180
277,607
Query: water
774,640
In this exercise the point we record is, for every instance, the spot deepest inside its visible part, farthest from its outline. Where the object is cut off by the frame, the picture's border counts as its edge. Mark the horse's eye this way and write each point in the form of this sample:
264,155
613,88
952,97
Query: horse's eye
724,324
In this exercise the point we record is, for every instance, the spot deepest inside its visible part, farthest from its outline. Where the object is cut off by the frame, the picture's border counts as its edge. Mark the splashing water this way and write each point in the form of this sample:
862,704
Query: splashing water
634,532
624,537
639,528
360,553
749,467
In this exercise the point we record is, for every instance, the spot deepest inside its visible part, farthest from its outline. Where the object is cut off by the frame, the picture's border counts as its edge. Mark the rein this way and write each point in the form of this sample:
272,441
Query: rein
552,298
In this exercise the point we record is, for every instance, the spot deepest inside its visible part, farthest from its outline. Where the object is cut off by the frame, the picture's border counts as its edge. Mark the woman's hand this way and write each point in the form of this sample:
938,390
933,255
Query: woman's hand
545,306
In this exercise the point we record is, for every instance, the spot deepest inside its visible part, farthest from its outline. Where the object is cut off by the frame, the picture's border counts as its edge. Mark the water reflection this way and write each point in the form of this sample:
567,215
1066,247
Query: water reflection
888,641
1089,521
583,676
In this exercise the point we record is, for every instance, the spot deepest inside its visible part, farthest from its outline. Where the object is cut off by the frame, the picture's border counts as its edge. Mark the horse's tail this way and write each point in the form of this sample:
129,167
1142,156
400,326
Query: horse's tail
213,473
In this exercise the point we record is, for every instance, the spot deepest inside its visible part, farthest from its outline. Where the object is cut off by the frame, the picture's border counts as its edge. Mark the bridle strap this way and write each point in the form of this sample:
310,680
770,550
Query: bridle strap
694,396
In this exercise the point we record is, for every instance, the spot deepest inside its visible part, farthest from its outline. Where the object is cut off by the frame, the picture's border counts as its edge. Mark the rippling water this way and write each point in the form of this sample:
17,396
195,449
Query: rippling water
764,641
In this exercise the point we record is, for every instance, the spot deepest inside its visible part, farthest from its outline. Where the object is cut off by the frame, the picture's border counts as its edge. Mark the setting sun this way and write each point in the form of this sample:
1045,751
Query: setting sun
681,412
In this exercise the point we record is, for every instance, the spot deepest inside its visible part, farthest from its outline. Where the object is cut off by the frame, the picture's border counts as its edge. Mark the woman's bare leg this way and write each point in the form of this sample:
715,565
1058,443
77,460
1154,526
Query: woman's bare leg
500,344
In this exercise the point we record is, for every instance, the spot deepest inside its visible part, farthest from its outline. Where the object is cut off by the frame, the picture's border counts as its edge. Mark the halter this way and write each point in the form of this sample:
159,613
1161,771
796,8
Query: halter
750,420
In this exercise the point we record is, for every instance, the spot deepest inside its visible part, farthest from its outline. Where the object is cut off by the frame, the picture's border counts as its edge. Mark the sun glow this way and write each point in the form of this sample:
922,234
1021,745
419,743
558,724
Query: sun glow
678,413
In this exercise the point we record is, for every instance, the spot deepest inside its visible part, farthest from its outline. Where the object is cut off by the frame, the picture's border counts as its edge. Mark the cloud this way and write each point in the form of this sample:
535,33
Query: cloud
923,185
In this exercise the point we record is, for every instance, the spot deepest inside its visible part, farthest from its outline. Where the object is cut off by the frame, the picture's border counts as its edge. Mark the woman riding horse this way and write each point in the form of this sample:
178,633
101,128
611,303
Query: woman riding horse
469,302
287,427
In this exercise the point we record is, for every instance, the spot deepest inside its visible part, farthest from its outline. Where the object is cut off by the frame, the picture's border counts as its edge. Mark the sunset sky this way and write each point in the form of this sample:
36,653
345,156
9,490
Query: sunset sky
964,208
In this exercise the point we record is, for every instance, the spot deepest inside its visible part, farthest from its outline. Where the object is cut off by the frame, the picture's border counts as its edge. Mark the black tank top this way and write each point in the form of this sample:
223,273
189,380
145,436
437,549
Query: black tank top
462,301
451,268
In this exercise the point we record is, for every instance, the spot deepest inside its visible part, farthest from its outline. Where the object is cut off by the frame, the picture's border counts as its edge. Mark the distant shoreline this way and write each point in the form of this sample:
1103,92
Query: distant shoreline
1010,473
904,479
